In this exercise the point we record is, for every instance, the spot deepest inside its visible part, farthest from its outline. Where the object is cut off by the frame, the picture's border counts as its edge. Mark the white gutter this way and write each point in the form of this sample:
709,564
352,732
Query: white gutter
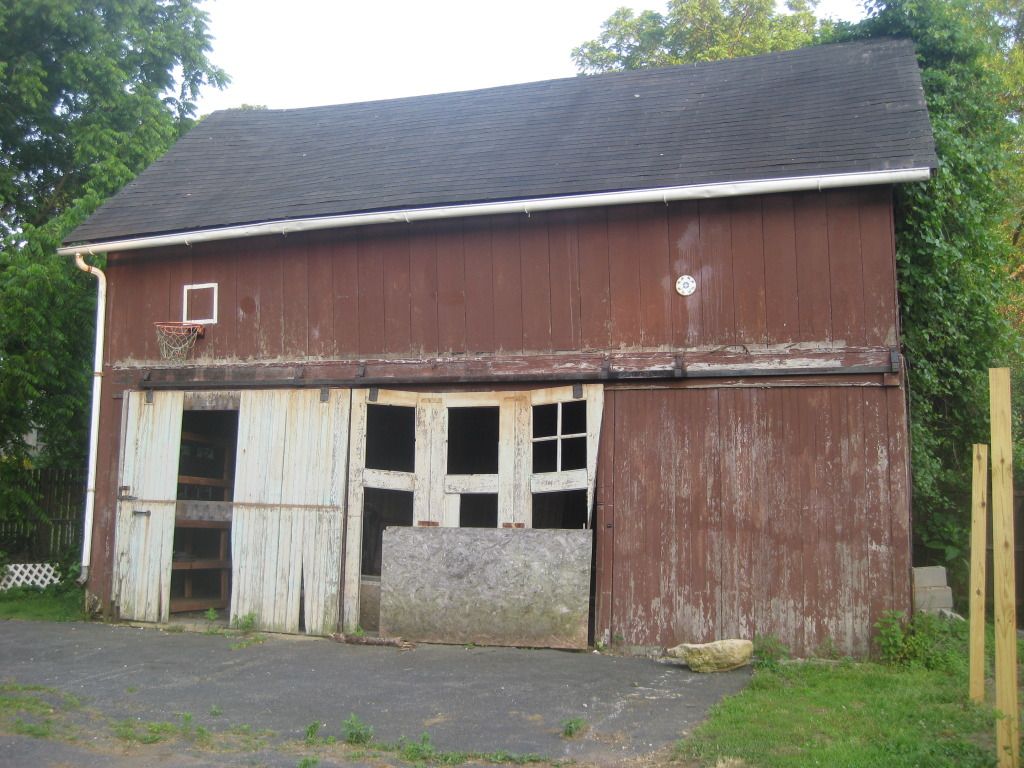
409,215
94,427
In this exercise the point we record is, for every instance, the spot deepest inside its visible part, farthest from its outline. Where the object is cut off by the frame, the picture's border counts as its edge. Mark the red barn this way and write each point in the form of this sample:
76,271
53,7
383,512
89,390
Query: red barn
657,309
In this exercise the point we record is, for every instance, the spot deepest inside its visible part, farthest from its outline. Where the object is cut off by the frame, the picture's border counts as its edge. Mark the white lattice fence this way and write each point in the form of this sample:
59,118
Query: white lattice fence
29,574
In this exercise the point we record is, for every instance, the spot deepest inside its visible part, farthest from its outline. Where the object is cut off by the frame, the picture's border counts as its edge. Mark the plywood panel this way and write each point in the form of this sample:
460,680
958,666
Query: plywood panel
563,240
536,269
686,259
451,289
657,287
718,317
370,258
595,301
812,266
879,264
480,318
782,300
623,278
845,268
320,307
507,274
748,265
397,305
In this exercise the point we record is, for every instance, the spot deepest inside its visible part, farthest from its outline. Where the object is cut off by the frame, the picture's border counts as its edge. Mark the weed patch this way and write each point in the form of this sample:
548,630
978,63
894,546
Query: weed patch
355,731
58,602
573,727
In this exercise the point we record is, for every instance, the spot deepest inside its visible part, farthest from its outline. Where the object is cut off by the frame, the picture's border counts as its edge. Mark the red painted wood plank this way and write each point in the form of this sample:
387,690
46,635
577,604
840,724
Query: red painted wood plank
167,274
247,293
370,258
215,263
536,267
480,319
265,259
782,300
687,259
879,264
712,513
604,523
857,517
397,305
423,289
877,507
320,277
623,277
845,267
506,270
595,301
295,300
345,270
788,521
812,267
718,318
748,266
657,287
899,495
451,289
563,243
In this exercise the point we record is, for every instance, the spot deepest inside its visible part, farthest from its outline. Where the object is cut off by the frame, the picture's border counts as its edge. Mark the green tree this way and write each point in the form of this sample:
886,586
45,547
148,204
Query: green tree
954,244
697,30
91,92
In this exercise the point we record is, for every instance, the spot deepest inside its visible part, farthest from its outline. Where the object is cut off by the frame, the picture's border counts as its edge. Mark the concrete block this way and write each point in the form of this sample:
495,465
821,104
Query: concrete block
933,599
929,576
489,586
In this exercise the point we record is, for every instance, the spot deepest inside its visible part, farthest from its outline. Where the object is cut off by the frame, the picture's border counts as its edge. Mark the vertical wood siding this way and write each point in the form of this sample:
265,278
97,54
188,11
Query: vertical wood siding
771,510
813,267
144,536
286,531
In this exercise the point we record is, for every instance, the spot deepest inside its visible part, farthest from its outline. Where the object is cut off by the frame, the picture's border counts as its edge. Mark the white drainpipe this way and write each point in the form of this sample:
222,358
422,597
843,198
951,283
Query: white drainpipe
94,427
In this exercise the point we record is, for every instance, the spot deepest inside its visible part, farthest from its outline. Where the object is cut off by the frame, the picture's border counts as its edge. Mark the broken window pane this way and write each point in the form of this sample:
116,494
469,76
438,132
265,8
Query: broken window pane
545,420
381,508
574,418
478,510
563,509
391,437
473,441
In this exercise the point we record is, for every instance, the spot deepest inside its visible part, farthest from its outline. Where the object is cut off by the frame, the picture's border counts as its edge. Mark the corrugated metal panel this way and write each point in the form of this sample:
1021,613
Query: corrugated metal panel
145,516
287,528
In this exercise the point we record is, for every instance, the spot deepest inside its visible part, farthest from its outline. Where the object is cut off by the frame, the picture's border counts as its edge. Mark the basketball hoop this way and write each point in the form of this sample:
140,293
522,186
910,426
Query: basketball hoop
177,339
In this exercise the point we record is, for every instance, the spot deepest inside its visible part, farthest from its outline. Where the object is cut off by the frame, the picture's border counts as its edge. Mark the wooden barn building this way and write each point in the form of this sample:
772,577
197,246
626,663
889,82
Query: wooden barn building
613,357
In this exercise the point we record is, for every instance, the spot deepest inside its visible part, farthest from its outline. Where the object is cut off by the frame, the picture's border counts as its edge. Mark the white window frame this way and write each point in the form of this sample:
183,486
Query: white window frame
184,303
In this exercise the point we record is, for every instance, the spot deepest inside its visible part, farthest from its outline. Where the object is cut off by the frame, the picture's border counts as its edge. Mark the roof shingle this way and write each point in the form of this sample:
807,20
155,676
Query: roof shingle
844,108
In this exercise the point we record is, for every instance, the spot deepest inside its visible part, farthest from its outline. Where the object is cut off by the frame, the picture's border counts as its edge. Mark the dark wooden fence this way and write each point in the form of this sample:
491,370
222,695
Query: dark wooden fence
60,494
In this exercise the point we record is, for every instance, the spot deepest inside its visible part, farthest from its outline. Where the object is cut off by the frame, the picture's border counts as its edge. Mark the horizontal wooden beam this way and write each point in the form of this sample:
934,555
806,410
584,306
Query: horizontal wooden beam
729,362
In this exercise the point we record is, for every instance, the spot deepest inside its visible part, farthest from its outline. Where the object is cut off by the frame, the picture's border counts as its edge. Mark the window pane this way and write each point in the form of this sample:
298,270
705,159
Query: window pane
473,441
478,510
545,420
391,437
564,509
574,453
381,508
574,417
545,456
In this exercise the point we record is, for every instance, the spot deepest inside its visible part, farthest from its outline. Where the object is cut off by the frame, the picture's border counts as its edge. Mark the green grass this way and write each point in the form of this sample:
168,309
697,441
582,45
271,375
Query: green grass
846,715
54,603
37,711
573,727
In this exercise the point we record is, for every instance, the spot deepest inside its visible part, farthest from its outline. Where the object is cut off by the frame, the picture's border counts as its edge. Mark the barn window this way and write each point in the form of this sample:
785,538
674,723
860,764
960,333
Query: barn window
560,436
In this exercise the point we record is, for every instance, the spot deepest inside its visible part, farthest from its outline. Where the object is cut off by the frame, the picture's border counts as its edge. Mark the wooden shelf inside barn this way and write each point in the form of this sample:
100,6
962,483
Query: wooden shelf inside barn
204,564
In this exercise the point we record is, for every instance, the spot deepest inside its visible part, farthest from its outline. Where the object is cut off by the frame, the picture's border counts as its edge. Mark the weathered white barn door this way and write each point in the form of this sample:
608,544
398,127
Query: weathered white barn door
144,535
286,533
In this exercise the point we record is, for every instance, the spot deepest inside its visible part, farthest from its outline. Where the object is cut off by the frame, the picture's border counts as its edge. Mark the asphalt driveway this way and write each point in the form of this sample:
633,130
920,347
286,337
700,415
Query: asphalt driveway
467,698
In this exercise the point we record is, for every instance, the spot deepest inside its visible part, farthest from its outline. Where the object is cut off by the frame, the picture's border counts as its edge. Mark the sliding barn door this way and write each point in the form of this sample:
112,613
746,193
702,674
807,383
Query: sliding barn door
144,536
286,529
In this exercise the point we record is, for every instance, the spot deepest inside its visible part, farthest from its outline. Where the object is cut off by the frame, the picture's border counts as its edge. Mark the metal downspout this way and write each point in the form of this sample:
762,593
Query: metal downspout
94,427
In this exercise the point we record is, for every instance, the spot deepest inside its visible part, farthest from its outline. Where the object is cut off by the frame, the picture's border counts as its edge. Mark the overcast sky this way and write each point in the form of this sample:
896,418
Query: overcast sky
303,53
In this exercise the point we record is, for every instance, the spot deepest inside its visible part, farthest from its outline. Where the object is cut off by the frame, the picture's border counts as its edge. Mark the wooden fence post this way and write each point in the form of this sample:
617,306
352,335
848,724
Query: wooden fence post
1004,576
979,524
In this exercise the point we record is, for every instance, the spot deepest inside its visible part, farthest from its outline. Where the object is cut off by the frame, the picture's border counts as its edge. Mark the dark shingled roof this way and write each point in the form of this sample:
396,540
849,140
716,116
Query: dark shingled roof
850,107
